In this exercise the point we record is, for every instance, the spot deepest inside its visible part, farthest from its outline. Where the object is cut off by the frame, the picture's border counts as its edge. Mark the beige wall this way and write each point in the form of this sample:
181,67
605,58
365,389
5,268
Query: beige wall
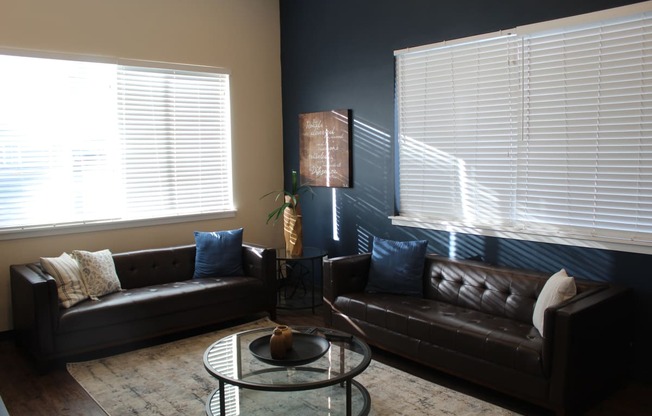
240,35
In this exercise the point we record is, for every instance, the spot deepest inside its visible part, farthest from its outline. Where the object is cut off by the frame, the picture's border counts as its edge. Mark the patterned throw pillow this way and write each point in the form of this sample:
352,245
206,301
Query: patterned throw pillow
65,271
97,272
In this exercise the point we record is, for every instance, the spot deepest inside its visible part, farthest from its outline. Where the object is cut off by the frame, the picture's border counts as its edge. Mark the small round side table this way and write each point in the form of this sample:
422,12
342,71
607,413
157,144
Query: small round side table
314,256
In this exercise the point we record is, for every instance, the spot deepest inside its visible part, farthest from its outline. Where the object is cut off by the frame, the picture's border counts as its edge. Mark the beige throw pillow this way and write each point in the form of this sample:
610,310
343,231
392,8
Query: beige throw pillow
65,271
557,289
97,272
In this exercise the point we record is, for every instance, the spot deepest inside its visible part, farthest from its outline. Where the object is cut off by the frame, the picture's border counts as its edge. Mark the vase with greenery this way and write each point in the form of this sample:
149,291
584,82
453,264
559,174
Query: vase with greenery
291,211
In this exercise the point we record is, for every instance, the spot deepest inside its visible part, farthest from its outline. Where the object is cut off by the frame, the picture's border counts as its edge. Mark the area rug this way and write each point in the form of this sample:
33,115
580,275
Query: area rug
170,379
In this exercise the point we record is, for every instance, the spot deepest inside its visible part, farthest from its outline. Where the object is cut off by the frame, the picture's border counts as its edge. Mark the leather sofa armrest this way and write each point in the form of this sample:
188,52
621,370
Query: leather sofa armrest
591,341
35,309
550,315
260,262
344,274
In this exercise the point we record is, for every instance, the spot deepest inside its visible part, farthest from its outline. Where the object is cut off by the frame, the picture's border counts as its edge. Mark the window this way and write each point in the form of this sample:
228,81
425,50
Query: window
541,133
97,143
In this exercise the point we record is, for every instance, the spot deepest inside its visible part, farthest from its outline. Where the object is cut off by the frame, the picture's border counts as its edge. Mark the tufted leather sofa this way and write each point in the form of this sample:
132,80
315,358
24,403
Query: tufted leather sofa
160,297
475,321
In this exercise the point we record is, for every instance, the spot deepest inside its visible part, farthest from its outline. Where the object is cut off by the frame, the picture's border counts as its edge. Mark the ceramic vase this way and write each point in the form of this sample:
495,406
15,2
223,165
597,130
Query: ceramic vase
277,345
292,230
287,335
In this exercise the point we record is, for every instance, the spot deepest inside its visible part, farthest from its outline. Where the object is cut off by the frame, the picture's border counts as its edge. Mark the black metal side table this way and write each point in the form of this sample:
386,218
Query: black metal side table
291,271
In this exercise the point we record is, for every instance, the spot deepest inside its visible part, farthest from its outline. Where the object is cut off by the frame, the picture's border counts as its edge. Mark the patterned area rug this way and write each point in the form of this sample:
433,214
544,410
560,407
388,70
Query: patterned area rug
170,379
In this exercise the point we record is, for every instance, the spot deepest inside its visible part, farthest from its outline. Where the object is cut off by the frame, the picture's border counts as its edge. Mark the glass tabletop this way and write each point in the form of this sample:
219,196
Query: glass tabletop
230,360
308,253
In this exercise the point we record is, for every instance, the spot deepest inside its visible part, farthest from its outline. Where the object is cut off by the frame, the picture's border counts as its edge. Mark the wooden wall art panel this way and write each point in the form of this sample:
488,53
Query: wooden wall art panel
325,147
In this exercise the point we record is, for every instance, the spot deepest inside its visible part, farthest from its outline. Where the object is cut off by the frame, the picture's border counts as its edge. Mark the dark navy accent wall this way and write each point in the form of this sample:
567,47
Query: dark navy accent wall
339,54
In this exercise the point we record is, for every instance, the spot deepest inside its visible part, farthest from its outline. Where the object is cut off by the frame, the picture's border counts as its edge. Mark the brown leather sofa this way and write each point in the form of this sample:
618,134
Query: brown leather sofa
475,322
160,297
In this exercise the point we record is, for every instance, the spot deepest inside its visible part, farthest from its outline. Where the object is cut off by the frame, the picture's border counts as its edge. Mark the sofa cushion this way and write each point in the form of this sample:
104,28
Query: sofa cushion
65,271
219,253
496,290
558,288
158,300
97,272
500,340
155,266
397,267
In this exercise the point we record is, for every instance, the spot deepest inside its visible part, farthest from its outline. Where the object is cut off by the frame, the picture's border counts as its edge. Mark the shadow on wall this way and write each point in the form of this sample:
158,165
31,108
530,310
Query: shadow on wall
363,210
590,264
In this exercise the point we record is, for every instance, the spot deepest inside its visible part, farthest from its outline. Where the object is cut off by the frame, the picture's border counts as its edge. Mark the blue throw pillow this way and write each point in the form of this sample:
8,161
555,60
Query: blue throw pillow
397,267
219,253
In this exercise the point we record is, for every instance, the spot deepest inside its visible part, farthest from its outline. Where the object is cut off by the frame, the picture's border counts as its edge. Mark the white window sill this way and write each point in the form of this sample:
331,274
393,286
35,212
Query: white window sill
61,229
630,246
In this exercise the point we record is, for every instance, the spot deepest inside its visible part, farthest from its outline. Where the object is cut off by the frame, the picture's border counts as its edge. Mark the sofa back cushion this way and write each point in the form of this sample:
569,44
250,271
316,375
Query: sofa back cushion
155,266
496,290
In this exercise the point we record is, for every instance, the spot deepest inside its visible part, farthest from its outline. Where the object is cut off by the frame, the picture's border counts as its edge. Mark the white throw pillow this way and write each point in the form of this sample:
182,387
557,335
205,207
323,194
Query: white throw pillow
97,272
65,271
557,289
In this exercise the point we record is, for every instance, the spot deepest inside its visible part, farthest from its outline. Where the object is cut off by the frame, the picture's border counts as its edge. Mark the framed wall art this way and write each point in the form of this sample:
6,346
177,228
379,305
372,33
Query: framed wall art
325,148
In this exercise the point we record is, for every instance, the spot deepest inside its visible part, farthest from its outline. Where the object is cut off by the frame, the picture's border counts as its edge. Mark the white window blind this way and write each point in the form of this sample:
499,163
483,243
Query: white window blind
456,110
544,135
586,159
88,143
175,136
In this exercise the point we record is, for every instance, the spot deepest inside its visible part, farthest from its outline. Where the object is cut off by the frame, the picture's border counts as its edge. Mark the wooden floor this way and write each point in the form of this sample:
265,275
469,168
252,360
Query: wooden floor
28,392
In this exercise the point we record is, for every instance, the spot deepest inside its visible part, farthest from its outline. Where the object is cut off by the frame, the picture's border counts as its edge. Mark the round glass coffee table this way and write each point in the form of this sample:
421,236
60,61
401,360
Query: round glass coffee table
251,386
